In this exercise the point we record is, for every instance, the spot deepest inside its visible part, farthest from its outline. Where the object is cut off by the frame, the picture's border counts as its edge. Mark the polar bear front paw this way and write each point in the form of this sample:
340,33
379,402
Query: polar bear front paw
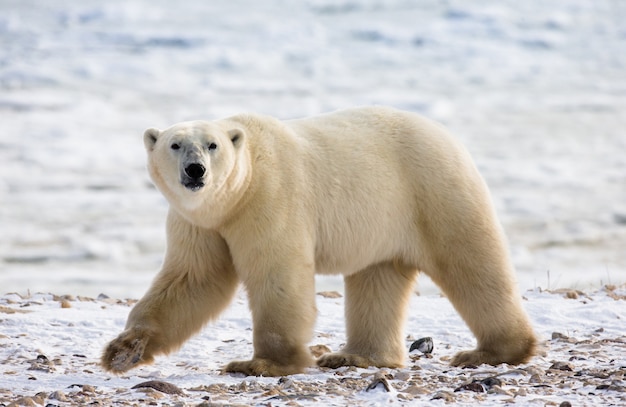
126,351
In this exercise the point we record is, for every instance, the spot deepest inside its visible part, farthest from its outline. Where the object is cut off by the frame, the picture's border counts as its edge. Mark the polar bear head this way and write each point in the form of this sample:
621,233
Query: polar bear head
195,164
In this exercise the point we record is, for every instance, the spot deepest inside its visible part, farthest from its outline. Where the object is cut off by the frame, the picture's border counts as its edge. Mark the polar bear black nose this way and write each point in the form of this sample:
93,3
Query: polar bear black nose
195,170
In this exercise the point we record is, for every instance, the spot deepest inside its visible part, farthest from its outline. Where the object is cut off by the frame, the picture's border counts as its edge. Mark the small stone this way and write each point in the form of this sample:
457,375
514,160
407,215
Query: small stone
382,382
23,402
379,380
65,304
163,387
405,397
501,391
416,390
402,376
489,382
521,392
565,404
564,366
445,396
476,387
424,345
558,335
58,395
572,295
87,388
42,363
330,294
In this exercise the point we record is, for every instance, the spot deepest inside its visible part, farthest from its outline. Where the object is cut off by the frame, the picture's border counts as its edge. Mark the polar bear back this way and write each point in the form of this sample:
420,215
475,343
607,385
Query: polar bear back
365,179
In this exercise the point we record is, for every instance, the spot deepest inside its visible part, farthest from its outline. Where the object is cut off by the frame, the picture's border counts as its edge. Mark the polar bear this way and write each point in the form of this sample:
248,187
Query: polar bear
374,194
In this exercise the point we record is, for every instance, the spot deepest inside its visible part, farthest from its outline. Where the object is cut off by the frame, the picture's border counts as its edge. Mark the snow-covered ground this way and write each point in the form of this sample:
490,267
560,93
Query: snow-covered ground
535,89
50,348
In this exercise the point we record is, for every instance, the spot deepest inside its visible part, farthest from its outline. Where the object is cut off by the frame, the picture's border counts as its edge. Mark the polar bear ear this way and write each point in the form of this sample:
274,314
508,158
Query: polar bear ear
236,137
150,137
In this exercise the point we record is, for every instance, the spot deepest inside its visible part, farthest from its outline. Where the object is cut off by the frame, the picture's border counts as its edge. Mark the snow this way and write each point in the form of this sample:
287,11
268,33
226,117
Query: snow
591,341
536,90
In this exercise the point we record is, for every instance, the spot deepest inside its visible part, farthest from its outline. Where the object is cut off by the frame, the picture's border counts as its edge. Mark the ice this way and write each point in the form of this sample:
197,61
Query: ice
536,90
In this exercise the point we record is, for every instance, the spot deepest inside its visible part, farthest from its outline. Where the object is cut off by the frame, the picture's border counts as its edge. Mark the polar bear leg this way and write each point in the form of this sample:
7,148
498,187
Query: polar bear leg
283,313
196,283
481,288
376,305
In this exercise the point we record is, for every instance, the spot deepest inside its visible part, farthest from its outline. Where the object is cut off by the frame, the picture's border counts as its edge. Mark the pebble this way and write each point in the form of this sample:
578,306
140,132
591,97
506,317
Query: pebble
163,387
558,335
330,294
58,395
480,386
402,376
379,381
476,387
445,396
424,345
564,366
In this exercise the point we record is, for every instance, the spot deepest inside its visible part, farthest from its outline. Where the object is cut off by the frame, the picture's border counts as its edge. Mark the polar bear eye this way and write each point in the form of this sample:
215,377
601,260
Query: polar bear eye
175,146
212,146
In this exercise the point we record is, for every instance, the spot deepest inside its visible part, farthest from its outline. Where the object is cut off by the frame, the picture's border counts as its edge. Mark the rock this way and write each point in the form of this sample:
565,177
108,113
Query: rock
27,402
415,390
379,381
404,397
42,363
330,294
23,402
445,396
87,388
489,382
424,345
58,395
402,376
480,386
522,392
613,387
564,366
476,387
163,387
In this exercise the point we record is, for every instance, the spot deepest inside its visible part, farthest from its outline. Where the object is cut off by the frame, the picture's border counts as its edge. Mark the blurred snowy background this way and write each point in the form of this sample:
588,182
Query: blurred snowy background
535,89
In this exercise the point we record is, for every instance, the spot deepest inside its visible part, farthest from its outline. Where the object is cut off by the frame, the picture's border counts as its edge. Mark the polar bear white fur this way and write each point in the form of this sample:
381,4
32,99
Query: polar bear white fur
374,194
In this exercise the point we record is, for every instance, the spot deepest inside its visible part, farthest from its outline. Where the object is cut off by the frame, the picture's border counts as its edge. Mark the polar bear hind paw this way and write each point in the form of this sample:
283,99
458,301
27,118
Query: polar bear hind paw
262,367
479,357
339,359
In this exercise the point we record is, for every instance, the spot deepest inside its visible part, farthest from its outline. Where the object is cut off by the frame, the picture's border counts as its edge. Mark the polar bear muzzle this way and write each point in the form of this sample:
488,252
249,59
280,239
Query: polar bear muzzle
193,176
